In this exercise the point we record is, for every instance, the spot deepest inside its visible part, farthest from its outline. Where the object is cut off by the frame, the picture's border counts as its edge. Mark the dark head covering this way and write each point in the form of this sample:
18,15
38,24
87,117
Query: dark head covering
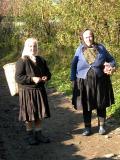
94,45
81,35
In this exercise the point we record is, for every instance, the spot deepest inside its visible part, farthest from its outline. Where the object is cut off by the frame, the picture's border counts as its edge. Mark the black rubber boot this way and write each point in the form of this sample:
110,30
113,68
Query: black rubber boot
87,122
87,131
41,138
31,140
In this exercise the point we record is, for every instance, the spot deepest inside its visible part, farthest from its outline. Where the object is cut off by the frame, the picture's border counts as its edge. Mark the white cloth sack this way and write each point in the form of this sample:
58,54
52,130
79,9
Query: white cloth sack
9,70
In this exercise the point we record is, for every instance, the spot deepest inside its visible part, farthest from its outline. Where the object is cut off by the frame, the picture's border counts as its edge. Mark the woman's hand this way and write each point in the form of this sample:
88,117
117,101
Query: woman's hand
108,69
36,79
44,78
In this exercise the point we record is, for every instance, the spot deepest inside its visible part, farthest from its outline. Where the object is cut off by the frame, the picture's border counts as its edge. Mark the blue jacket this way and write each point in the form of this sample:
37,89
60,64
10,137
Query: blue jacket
80,66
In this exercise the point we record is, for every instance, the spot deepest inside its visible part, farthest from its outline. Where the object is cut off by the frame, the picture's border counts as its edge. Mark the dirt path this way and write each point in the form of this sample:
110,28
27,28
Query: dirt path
64,128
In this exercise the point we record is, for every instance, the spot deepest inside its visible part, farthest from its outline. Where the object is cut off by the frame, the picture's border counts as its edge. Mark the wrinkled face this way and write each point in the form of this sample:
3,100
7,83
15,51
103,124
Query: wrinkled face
32,47
88,38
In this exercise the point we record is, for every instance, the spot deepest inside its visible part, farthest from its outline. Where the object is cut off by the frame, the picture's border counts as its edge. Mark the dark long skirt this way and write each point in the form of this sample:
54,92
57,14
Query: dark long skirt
33,104
93,92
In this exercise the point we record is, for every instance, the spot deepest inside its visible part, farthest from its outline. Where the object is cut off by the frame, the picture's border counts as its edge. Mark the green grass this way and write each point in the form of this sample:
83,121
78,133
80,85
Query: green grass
61,81
114,110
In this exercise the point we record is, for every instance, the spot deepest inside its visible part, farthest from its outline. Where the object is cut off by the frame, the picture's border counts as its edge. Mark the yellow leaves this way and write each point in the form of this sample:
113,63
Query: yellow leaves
64,38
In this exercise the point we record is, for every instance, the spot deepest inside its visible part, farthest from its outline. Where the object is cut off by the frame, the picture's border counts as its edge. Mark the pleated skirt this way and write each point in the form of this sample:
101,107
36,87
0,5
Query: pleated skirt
93,92
33,104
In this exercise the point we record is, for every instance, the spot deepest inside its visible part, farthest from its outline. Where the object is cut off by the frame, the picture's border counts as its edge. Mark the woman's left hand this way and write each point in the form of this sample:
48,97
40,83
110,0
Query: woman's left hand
108,69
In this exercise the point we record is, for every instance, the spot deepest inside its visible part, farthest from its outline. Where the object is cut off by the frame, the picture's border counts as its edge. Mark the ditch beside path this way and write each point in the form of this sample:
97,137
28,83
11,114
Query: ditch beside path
64,128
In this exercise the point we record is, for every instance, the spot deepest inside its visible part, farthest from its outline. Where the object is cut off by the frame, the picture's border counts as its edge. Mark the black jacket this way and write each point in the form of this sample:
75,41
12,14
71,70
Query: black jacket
26,69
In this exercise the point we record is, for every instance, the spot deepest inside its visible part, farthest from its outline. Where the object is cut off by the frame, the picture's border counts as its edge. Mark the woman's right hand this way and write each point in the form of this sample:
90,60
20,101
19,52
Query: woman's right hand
36,79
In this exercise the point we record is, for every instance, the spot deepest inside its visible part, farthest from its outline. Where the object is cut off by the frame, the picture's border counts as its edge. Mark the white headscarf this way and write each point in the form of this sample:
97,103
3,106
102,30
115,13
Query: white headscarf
26,51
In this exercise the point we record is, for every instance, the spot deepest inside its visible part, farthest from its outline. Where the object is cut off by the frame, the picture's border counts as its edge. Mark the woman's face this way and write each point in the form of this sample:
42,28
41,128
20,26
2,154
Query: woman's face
88,38
32,47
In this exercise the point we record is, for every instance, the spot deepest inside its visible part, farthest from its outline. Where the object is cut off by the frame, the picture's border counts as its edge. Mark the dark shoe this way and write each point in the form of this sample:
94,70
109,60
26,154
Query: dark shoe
31,138
87,131
41,138
102,130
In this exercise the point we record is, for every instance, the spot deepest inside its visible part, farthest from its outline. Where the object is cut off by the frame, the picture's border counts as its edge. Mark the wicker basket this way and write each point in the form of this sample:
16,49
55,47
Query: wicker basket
9,70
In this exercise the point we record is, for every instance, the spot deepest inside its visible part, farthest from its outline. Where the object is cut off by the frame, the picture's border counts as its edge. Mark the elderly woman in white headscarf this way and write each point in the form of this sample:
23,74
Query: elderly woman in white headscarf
31,74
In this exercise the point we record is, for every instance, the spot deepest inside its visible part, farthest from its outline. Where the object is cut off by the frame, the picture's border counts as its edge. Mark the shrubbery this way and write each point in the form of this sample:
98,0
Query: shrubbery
57,26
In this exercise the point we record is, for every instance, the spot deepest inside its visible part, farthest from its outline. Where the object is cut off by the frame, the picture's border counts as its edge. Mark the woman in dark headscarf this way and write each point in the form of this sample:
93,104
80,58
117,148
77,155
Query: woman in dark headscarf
91,68
32,73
